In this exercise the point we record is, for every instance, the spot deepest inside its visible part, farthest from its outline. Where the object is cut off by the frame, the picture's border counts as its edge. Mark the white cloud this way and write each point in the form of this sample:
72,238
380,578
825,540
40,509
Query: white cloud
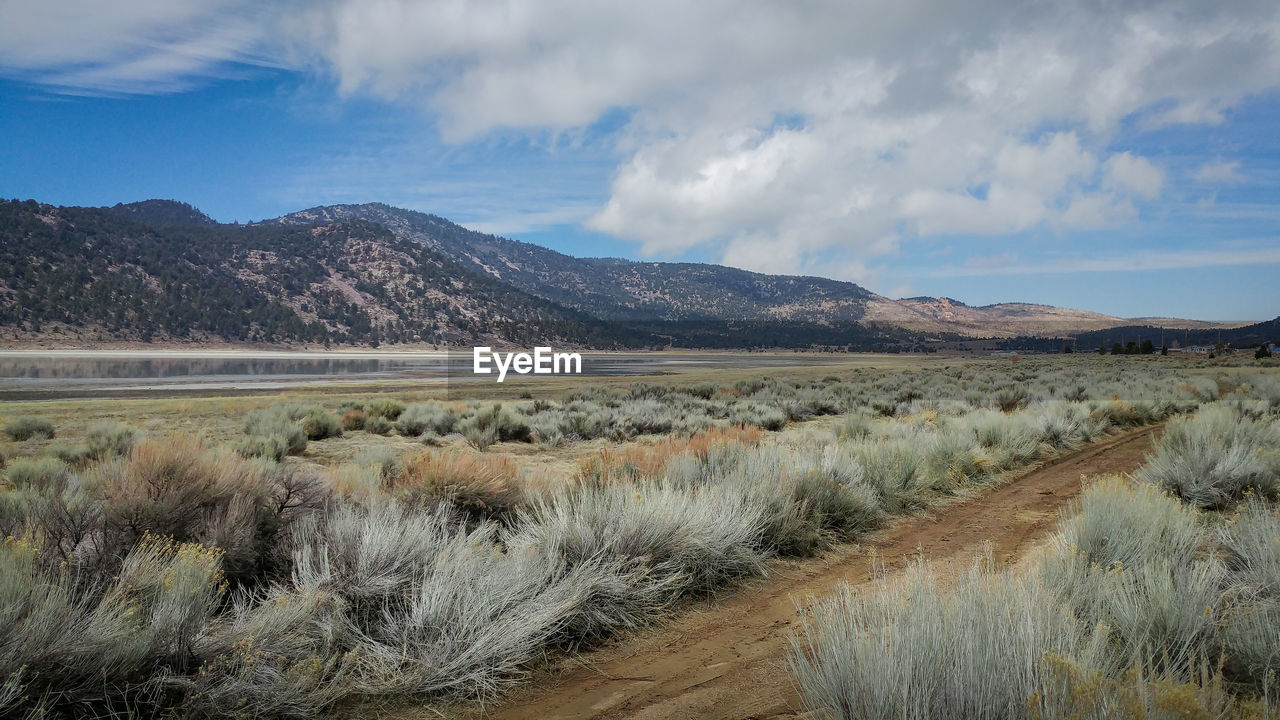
1127,171
795,136
1219,172
784,134
131,46
1095,211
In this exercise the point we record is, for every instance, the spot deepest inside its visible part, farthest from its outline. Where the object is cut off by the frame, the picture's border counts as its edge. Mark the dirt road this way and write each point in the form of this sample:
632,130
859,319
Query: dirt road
724,659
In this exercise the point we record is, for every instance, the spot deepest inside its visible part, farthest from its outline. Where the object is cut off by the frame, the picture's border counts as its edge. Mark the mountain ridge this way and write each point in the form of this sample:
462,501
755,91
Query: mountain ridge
554,276
372,273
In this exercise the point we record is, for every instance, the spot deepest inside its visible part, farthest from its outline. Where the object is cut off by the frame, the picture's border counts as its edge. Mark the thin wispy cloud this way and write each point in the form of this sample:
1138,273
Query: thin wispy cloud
1220,172
132,46
1128,262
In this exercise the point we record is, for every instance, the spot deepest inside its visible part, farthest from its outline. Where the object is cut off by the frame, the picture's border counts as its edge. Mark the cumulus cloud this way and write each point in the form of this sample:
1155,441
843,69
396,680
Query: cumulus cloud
797,138
1126,171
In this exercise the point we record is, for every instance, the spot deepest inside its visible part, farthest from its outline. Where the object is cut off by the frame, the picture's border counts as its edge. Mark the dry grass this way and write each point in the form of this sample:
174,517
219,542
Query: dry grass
635,461
483,486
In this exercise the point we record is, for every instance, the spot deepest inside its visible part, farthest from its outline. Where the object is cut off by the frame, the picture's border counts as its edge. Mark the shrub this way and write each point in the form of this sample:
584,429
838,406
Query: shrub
911,651
388,408
757,414
1129,559
1009,441
1064,427
856,425
175,487
26,428
1009,399
354,419
650,462
1213,458
275,655
435,611
102,441
280,423
1251,632
892,468
691,542
267,447
493,423
44,474
480,486
845,509
378,426
951,461
548,427
421,417
703,390
477,433
69,649
319,424
1117,523
387,462
643,416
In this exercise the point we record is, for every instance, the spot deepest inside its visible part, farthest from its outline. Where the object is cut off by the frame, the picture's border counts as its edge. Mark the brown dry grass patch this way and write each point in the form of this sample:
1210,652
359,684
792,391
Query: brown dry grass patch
649,461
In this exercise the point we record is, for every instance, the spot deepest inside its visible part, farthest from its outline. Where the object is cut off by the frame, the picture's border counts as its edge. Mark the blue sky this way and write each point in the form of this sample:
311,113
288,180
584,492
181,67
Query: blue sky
1122,158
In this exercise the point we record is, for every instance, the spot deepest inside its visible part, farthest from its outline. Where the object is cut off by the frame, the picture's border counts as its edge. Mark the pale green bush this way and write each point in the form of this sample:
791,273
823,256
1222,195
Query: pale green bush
44,474
421,417
1210,460
913,651
26,428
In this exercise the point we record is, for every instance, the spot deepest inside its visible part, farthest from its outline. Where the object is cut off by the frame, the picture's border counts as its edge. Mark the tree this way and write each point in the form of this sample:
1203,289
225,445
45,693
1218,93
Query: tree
1164,350
1131,348
1262,352
1102,350
1117,348
1148,347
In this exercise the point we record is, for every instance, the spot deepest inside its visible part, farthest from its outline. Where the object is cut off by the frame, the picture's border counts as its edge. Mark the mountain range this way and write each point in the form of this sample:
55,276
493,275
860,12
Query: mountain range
374,274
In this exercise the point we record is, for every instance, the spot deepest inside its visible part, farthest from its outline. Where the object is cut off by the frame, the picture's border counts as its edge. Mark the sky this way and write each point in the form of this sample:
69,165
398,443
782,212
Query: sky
1120,157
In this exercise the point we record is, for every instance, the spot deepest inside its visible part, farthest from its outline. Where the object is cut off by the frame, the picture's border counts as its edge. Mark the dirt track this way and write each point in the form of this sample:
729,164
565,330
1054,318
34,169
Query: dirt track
724,659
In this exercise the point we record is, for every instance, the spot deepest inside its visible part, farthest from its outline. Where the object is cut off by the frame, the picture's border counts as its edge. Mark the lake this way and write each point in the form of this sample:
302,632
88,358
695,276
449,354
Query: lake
30,375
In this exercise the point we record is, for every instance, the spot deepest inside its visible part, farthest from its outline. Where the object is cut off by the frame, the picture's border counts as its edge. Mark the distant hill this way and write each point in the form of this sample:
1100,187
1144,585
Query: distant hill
1237,336
162,212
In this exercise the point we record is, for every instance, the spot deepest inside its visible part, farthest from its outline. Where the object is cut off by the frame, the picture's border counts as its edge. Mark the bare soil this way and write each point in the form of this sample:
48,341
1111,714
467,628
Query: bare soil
725,658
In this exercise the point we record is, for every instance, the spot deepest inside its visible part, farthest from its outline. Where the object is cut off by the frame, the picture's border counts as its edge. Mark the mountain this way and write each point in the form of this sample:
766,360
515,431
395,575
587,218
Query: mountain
613,289
625,290
372,274
155,271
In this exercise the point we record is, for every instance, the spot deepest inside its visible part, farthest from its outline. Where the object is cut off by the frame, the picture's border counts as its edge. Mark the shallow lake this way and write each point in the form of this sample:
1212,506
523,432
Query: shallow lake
28,375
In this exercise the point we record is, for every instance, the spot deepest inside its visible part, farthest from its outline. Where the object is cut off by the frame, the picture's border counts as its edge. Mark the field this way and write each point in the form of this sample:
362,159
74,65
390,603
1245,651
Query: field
325,553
